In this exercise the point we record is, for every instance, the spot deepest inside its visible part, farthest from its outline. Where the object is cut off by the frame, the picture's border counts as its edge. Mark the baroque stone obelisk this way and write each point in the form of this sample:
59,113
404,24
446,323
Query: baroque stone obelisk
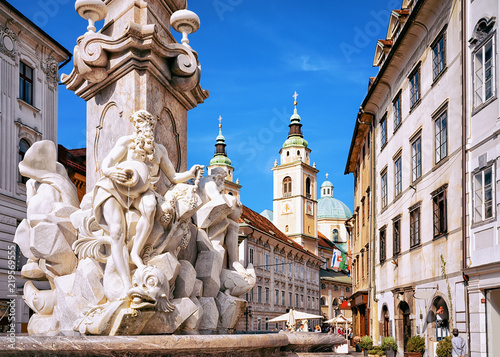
135,63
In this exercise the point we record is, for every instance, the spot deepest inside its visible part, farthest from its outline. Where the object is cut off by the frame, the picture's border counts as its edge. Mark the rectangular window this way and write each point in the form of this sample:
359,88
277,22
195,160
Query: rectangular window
383,131
441,142
267,261
267,295
483,195
438,56
267,323
277,297
415,87
25,83
439,209
259,294
363,211
415,227
397,176
276,265
383,188
302,272
250,296
396,106
283,298
382,244
250,255
290,302
416,158
290,269
296,300
396,233
296,271
484,71
283,266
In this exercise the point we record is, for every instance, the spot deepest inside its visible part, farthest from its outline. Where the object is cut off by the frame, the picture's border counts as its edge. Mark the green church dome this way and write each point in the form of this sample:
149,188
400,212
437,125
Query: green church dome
220,160
295,141
329,207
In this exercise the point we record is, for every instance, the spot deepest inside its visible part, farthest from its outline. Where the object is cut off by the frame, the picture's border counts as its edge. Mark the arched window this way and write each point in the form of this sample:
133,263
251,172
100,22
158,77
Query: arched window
230,193
308,187
287,186
24,145
286,228
323,301
335,235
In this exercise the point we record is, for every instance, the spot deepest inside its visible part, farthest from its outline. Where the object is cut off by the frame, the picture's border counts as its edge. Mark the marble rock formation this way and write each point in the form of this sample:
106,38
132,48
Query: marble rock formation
129,260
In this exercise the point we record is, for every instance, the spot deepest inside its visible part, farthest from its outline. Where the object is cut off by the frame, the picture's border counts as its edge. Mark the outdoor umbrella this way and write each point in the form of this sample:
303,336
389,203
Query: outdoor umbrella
291,316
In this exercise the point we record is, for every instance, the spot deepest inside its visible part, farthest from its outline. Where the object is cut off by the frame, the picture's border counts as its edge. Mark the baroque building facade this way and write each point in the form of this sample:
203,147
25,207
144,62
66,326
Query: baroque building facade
407,151
481,140
29,63
431,120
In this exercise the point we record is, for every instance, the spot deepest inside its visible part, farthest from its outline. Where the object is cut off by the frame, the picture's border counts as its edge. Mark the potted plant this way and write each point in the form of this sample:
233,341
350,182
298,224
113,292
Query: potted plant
376,351
444,348
366,343
390,346
357,340
415,346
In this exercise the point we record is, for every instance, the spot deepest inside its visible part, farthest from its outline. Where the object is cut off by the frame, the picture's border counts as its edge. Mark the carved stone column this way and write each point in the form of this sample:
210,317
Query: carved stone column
135,63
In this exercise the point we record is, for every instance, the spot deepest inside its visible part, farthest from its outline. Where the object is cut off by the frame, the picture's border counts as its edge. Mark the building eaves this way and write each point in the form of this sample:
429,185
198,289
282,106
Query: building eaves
38,29
351,163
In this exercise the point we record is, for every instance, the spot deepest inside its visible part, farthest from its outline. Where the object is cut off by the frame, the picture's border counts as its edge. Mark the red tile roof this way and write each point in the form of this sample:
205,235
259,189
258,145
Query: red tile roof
262,224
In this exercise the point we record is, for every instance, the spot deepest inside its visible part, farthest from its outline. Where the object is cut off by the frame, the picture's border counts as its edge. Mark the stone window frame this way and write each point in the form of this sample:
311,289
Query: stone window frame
383,244
415,225
416,157
383,189
396,235
415,84
438,48
287,186
440,211
25,79
383,131
438,134
490,166
483,33
397,112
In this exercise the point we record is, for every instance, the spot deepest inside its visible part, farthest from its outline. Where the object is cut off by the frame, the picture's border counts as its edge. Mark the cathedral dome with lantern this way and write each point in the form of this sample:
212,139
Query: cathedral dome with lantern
329,207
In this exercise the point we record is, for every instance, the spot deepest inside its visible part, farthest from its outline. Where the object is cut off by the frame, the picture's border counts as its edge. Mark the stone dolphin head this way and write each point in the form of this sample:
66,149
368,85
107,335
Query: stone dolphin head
150,290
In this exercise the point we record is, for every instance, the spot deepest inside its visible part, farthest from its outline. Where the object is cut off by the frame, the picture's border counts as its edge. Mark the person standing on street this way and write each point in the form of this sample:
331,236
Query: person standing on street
458,344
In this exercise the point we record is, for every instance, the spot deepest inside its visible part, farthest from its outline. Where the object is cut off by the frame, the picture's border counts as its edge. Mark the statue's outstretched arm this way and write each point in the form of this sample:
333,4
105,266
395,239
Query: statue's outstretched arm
168,168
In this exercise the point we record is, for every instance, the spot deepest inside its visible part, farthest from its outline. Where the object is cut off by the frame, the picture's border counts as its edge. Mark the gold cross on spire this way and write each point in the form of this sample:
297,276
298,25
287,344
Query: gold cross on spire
295,95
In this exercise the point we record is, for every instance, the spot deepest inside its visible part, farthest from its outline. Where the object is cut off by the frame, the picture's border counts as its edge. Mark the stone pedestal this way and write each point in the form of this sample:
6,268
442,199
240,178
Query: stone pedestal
135,63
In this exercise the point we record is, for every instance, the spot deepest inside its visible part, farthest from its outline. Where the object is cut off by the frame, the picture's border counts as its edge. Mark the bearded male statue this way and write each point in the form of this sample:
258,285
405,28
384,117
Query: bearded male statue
130,171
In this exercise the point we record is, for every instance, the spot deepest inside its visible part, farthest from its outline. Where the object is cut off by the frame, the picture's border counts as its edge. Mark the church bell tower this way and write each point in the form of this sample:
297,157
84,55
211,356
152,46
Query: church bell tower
294,188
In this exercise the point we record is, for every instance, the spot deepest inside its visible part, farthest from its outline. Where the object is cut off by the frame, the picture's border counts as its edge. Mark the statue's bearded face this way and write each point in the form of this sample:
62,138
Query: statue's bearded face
144,141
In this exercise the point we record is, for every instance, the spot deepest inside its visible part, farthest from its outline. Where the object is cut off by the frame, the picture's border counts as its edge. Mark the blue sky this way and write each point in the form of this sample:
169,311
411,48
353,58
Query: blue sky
254,55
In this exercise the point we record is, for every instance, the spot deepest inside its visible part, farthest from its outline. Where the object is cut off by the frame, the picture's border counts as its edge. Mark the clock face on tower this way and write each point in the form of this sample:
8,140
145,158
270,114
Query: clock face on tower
286,207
